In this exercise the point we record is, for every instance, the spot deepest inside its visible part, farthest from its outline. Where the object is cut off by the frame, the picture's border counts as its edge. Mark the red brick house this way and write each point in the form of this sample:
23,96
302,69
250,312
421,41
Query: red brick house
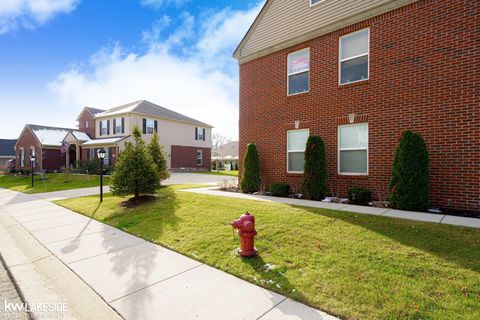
358,76
187,142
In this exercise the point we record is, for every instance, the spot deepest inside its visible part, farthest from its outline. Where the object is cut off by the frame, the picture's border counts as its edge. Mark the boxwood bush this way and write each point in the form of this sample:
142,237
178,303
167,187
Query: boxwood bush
279,189
360,196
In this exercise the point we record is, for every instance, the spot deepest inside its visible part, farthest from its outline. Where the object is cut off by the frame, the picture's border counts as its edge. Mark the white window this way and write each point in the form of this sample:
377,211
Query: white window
354,56
91,154
314,2
103,127
199,157
298,71
150,124
296,144
106,160
86,124
22,157
200,135
353,149
118,125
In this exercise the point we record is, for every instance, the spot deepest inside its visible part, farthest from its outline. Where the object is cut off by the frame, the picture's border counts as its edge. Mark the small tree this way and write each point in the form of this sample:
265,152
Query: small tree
250,181
314,184
409,185
135,172
158,155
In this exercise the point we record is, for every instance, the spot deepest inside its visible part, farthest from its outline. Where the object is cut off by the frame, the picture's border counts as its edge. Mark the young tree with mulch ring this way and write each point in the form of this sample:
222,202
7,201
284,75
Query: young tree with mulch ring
135,172
158,155
409,184
250,180
314,184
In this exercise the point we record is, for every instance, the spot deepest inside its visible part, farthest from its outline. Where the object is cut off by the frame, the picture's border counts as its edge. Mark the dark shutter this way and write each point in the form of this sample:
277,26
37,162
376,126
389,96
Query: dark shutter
123,125
203,134
100,127
196,133
144,126
156,125
108,127
114,126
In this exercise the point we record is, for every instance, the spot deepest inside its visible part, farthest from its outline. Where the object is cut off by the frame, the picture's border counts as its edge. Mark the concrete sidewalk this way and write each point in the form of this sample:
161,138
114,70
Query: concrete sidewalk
140,280
175,178
410,215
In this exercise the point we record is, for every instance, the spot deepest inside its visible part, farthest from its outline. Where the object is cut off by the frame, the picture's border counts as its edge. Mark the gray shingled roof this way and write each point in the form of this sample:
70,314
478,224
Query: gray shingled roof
6,147
94,111
148,108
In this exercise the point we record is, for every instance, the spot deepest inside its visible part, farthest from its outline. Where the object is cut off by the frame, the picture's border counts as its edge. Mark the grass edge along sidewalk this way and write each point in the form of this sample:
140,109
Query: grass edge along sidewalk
350,265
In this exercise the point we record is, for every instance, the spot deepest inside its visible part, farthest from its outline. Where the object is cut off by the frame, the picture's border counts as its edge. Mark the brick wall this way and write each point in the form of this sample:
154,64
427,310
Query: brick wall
52,160
87,116
424,76
185,158
26,141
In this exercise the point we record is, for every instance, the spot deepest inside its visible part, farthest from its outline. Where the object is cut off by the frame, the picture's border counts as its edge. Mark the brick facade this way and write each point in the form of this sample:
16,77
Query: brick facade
85,117
424,76
26,141
185,158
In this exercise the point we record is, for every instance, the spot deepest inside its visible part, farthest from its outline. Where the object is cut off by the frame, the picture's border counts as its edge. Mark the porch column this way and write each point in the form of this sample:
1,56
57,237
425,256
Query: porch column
78,156
67,159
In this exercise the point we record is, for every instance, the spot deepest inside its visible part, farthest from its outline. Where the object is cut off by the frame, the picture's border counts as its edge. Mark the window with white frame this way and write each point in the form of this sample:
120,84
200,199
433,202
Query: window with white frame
353,149
199,157
354,56
118,125
86,124
296,144
200,132
298,69
22,157
313,2
103,127
150,124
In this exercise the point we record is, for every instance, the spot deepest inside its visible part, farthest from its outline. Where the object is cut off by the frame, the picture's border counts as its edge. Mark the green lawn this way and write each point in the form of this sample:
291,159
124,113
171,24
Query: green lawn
51,182
222,173
351,265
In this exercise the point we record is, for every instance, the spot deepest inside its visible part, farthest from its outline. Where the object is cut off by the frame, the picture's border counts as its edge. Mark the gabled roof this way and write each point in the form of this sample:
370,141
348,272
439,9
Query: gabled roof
227,151
49,136
92,111
7,147
150,109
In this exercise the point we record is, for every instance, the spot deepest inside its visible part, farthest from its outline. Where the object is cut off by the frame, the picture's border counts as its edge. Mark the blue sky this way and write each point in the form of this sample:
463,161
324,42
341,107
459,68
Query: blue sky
57,56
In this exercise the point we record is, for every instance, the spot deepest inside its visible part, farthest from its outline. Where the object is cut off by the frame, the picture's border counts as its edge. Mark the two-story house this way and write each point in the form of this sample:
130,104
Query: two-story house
359,73
186,141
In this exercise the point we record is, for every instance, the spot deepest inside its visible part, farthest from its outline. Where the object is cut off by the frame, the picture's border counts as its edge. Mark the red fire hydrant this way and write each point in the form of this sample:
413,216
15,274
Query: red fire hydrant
246,230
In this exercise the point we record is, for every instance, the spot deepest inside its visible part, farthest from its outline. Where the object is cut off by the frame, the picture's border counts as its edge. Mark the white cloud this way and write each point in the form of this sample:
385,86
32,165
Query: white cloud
157,4
15,14
190,73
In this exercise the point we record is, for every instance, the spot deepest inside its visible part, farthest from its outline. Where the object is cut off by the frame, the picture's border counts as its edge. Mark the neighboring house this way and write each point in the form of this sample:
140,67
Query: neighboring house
187,142
7,152
358,76
226,156
45,143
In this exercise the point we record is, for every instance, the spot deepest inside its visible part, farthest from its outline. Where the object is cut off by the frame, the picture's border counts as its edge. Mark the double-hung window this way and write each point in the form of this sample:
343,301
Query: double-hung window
296,144
22,157
118,125
298,70
353,149
200,134
103,127
354,56
199,157
150,124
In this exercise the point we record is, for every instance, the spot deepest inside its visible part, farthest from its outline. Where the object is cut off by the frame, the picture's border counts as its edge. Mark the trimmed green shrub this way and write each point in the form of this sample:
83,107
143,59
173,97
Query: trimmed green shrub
135,172
279,189
360,196
158,155
250,181
409,185
314,185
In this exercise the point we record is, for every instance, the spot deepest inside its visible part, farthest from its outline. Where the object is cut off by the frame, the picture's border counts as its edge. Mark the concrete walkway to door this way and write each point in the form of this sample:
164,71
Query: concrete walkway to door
139,279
